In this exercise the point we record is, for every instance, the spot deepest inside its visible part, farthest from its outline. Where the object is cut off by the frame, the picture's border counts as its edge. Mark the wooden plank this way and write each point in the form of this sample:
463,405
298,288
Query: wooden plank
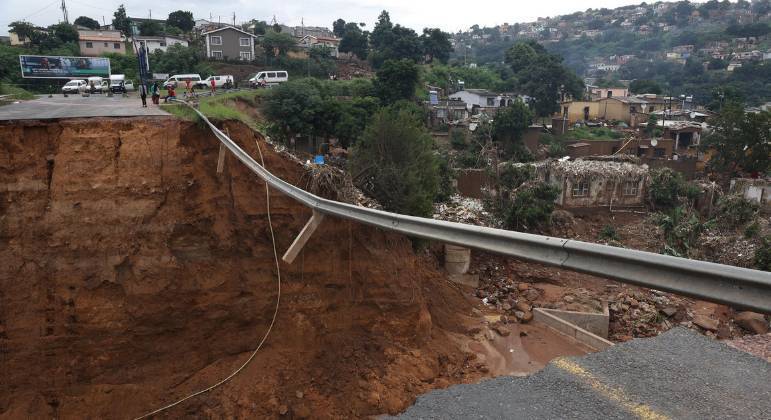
302,238
221,158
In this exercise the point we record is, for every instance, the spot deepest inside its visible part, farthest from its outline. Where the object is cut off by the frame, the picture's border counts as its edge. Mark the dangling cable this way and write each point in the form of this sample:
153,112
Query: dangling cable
273,321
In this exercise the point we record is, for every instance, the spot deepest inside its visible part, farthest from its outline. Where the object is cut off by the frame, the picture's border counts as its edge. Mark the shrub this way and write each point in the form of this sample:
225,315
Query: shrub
608,233
735,211
531,207
395,163
682,228
446,176
666,187
512,177
458,140
763,255
752,230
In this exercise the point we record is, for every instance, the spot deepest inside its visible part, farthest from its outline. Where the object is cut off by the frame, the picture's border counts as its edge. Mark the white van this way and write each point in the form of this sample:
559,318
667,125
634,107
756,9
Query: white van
96,84
178,80
219,81
117,83
73,86
269,77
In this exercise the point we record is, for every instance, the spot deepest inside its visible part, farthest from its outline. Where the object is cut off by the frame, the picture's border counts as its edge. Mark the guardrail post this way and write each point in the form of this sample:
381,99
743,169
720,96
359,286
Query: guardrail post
303,237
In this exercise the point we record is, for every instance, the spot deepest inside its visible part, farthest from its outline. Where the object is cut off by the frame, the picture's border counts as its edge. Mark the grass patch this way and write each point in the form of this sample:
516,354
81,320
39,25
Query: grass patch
585,133
17,92
217,107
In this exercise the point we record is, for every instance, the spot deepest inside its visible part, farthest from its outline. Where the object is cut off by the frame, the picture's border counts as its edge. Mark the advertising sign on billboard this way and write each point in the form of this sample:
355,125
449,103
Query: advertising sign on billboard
55,67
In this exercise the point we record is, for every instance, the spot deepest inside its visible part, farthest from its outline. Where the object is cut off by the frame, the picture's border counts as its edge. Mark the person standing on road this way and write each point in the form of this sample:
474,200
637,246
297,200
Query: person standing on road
213,86
143,93
188,87
156,94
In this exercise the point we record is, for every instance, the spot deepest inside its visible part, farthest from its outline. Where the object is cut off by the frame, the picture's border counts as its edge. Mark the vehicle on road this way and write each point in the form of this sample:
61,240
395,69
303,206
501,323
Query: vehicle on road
73,86
96,84
178,80
269,78
119,84
223,81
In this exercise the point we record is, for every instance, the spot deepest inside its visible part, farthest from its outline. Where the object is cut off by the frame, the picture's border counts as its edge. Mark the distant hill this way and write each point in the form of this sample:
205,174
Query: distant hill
689,48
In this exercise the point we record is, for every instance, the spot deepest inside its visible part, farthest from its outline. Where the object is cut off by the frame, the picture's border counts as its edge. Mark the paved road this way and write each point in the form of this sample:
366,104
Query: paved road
76,106
677,375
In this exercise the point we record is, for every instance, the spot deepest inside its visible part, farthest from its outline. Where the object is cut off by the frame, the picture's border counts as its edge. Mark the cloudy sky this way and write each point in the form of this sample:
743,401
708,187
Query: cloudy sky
450,15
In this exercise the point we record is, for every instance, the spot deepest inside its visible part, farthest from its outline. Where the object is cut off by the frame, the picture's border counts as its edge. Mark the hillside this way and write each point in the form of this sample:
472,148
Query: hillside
687,48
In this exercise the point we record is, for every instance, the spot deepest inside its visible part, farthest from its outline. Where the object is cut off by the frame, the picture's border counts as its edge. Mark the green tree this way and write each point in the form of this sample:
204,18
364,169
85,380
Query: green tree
394,162
277,44
396,80
87,22
354,40
542,76
64,32
740,140
436,44
338,28
259,27
509,126
293,107
150,28
121,21
645,86
181,19
393,42
24,30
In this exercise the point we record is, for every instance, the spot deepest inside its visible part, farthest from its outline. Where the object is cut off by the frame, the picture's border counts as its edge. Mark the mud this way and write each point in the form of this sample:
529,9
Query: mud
132,274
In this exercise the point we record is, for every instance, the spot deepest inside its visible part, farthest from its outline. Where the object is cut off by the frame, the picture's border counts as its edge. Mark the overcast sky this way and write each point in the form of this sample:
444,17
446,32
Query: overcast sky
450,15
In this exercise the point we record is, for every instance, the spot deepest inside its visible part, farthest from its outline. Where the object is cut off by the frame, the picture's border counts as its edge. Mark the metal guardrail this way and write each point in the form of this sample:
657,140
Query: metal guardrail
738,287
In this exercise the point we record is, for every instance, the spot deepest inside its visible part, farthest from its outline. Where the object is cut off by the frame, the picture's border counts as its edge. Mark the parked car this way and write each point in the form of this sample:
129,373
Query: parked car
178,80
73,86
118,83
97,84
225,81
268,78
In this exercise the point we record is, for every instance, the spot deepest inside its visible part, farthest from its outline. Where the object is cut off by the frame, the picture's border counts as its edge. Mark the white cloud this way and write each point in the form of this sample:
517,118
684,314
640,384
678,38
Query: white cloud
450,15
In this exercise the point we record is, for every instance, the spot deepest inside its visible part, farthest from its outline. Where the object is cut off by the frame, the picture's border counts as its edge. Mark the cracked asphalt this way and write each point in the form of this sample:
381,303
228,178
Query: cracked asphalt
678,375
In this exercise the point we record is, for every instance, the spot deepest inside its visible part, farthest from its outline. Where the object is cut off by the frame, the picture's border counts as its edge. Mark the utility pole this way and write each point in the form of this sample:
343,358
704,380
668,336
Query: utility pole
64,12
234,18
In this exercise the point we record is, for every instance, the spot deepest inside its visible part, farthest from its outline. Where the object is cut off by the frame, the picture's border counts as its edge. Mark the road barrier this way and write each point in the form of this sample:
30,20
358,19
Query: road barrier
741,288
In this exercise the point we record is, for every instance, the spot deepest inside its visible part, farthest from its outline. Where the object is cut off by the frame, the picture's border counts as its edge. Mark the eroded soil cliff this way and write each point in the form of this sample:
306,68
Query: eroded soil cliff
132,274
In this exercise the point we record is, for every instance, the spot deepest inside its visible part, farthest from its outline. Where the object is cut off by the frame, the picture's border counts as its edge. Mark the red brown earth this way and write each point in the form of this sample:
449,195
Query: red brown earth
132,274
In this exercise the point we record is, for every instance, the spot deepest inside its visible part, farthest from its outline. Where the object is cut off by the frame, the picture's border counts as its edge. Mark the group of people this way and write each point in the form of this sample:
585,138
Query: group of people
155,93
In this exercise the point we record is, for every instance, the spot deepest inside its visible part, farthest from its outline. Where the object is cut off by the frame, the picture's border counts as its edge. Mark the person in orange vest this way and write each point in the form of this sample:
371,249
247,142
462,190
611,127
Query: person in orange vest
213,86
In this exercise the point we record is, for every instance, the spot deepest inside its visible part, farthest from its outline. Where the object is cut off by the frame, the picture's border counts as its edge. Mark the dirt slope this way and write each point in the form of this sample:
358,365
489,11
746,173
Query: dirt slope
132,274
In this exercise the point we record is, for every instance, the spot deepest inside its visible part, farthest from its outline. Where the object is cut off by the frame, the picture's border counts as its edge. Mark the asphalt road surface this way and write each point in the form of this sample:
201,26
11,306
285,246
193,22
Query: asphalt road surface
76,106
677,375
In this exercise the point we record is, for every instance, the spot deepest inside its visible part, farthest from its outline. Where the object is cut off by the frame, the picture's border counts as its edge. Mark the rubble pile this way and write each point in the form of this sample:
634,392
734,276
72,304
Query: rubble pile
582,168
498,290
757,345
462,210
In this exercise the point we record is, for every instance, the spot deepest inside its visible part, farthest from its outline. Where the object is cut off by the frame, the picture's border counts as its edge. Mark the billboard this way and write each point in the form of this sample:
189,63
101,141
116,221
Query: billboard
56,67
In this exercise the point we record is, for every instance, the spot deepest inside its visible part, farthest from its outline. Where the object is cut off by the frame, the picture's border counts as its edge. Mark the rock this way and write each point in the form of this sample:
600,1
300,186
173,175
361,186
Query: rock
524,316
669,311
723,332
706,323
506,306
633,302
522,287
532,295
503,332
519,314
569,298
283,410
752,321
522,334
523,306
299,394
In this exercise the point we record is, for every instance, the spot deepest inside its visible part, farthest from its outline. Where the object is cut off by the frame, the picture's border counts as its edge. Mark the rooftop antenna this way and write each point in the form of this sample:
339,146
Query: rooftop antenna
234,18
151,13
64,12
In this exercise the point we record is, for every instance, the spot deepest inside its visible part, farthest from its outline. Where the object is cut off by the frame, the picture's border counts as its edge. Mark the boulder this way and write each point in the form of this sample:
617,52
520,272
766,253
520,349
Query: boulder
706,323
752,321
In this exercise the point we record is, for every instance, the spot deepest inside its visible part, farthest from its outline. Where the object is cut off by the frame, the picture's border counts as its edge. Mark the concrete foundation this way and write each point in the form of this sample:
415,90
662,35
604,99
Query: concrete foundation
553,319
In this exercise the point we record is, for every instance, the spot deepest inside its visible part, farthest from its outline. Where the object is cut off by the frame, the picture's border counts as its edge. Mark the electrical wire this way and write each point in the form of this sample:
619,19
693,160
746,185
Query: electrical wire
272,322
34,13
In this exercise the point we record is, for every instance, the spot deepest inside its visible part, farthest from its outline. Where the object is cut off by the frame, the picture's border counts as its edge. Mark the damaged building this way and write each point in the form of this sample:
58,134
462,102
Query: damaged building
599,182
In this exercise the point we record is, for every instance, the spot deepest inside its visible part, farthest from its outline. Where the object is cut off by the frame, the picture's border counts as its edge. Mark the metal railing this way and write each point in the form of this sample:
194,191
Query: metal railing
738,287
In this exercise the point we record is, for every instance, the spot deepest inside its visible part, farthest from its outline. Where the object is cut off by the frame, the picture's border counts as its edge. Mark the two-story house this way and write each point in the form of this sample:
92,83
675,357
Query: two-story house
229,42
96,43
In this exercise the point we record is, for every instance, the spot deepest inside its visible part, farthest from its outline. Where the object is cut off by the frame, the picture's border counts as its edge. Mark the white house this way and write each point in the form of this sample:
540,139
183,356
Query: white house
481,98
160,42
309,41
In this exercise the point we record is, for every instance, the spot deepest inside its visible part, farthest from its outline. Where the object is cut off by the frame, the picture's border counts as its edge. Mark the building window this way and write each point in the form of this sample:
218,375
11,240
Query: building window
580,189
89,45
630,188
215,40
658,152
490,101
105,44
246,55
610,94
116,45
216,54
244,42
163,44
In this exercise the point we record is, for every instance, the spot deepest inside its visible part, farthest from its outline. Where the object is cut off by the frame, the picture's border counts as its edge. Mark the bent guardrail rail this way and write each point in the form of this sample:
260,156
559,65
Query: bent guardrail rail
738,287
